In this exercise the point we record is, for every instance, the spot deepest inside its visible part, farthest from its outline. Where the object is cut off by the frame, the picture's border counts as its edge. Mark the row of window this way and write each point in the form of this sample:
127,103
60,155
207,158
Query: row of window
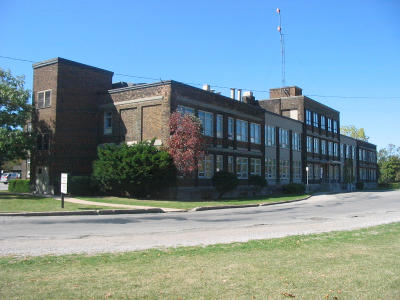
270,138
206,167
316,172
367,156
367,174
320,121
330,148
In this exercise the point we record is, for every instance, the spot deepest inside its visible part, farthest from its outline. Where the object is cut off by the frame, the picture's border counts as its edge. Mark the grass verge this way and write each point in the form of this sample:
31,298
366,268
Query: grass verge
361,264
189,205
29,203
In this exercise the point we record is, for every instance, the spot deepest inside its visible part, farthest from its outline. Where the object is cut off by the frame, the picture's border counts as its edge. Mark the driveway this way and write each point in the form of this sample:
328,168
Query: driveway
116,233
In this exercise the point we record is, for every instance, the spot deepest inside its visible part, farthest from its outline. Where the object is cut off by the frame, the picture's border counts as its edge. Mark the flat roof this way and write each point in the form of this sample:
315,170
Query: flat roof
67,61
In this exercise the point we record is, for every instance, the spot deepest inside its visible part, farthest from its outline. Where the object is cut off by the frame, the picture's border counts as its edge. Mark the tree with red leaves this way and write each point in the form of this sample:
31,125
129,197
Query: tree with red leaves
186,143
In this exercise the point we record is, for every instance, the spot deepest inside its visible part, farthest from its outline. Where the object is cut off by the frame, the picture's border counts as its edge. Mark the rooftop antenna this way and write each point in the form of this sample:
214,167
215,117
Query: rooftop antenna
282,46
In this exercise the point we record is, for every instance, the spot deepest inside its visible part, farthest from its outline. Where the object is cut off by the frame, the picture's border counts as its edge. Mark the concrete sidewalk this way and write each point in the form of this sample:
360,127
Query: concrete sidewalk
123,206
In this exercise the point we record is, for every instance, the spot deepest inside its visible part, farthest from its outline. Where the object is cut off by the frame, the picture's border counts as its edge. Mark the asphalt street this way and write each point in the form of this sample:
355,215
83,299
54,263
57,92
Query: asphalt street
118,233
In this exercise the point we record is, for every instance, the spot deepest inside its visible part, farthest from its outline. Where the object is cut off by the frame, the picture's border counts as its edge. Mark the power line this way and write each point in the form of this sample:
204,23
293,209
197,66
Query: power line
224,87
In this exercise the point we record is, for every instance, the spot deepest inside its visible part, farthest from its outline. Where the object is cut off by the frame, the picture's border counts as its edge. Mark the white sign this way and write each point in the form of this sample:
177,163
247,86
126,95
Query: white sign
64,183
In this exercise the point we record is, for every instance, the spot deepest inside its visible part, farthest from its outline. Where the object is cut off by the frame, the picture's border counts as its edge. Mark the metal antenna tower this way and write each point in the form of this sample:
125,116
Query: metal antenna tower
282,46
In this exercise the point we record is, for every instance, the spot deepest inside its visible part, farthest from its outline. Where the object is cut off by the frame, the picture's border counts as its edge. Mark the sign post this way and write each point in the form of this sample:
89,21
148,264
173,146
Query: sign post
64,187
307,177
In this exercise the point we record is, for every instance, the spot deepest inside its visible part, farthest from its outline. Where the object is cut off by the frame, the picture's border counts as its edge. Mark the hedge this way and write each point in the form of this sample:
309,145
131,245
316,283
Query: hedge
293,188
19,186
82,185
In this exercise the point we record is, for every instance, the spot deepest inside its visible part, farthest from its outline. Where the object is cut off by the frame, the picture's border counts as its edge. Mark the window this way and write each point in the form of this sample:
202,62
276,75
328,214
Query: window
219,163
309,144
297,169
308,117
270,168
348,151
296,143
330,149
284,169
323,126
44,99
230,128
206,120
342,150
315,123
329,124
107,122
316,145
255,133
219,126
206,166
242,167
335,126
354,152
323,147
270,136
335,149
317,171
185,110
230,164
255,166
283,138
241,131
43,141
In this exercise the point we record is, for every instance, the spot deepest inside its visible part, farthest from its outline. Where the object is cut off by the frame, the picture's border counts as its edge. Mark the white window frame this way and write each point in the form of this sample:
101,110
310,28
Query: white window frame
185,110
44,105
242,130
206,166
231,128
283,138
255,166
255,133
308,117
323,125
270,135
242,167
220,126
207,122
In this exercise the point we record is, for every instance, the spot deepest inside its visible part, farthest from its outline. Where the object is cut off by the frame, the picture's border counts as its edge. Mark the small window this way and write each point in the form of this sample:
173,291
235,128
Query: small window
230,128
255,133
107,123
44,99
308,117
219,126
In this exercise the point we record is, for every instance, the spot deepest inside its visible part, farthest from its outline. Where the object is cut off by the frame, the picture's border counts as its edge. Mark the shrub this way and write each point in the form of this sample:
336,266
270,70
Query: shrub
19,186
82,185
137,170
257,180
224,182
293,188
360,185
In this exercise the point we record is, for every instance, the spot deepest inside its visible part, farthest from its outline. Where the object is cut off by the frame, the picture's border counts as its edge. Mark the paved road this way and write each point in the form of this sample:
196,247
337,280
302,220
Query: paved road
94,234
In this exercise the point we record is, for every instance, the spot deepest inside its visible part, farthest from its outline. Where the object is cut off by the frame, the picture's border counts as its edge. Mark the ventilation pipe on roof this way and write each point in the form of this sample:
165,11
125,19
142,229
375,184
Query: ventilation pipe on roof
233,93
240,94
206,87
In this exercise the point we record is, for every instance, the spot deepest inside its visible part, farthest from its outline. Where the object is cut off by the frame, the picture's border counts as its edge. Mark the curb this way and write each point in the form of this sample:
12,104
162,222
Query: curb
203,208
85,212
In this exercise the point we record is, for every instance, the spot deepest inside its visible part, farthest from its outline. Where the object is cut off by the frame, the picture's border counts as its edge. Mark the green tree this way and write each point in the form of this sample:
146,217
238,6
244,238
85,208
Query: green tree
224,182
15,110
354,132
137,170
389,164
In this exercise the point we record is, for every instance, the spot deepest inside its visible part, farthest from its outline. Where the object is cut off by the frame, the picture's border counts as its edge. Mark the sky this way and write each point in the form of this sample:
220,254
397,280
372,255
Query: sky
345,54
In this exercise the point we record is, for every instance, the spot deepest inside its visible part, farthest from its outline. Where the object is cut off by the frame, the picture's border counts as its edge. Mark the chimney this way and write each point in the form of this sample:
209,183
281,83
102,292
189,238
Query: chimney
287,91
206,87
249,98
240,94
233,93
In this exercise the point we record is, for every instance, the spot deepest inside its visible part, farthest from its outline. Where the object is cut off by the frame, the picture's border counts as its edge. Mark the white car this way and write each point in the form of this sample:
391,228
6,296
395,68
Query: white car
6,177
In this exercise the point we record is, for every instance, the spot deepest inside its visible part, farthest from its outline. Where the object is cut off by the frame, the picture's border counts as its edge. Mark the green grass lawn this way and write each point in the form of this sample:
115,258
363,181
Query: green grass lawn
189,205
28,203
361,264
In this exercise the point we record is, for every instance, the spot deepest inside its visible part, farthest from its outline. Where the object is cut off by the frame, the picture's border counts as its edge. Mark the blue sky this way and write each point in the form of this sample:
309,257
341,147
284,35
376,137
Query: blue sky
333,48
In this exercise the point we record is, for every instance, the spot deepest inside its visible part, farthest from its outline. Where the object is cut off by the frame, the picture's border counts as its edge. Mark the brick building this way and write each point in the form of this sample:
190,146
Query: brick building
78,108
